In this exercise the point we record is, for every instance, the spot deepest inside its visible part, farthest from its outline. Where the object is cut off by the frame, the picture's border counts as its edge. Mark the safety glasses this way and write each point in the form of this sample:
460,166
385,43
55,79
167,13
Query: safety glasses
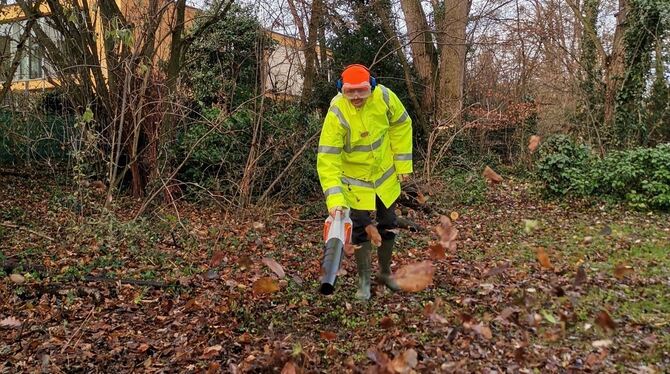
352,93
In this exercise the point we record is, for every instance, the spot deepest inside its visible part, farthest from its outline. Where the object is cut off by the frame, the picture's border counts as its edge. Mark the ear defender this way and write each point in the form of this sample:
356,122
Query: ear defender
373,80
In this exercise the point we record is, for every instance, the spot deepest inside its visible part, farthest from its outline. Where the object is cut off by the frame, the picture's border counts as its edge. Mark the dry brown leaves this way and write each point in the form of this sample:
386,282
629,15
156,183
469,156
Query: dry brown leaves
17,278
265,285
274,266
436,251
401,364
622,270
373,235
492,176
217,258
447,233
328,335
580,277
415,277
605,321
533,143
10,322
543,258
289,368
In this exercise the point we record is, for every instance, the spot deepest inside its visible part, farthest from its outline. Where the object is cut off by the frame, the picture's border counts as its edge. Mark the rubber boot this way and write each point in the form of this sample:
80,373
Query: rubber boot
362,255
384,255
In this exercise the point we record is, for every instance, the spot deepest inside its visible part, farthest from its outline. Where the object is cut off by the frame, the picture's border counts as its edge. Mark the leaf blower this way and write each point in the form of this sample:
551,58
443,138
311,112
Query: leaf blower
336,234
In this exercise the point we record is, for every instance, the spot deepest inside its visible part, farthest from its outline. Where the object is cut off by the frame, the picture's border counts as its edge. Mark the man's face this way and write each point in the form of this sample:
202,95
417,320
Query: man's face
357,95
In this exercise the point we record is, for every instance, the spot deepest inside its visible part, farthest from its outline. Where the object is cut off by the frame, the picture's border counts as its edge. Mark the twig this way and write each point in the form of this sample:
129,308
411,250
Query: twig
76,332
12,226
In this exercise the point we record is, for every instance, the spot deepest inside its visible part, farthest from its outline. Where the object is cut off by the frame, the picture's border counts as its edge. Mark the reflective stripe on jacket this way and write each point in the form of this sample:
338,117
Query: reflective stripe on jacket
362,151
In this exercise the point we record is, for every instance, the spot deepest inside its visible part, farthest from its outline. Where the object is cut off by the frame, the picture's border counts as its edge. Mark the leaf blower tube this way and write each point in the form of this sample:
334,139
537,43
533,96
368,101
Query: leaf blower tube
336,234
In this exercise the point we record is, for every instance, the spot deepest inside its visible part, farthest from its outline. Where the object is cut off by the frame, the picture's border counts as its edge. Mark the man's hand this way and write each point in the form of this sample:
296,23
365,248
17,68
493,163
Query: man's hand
403,177
334,209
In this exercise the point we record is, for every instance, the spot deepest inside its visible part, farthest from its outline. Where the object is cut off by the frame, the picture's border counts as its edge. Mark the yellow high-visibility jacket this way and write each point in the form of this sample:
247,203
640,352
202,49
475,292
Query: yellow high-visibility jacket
362,151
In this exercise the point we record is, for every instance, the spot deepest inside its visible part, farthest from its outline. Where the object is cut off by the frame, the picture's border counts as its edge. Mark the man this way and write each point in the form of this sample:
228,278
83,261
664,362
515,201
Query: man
365,151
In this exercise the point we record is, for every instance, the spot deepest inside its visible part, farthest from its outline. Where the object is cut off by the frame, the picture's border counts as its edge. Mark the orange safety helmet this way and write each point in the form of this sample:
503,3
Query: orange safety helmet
354,76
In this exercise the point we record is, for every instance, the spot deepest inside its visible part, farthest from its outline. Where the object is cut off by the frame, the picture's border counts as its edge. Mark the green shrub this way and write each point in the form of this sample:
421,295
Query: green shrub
639,176
565,167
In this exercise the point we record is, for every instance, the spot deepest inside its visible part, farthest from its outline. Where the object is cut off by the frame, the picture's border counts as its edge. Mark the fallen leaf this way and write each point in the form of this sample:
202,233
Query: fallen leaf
265,285
606,231
289,368
491,175
497,270
454,216
17,278
601,343
447,233
580,277
217,258
415,277
378,357
604,320
543,258
328,335
10,322
373,235
386,322
421,198
436,252
211,351
405,362
588,240
213,368
258,226
622,270
533,143
274,266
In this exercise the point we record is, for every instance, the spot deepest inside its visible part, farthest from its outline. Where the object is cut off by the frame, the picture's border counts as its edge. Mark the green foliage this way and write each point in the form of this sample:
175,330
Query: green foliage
648,24
222,64
640,176
564,166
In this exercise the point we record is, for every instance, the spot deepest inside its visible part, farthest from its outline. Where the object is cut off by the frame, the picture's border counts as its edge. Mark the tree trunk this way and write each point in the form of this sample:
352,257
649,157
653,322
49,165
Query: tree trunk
310,50
452,61
423,50
615,64
383,9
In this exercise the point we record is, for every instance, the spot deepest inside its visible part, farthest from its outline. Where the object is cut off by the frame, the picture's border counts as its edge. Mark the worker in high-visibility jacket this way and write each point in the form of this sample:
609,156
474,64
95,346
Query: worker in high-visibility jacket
365,151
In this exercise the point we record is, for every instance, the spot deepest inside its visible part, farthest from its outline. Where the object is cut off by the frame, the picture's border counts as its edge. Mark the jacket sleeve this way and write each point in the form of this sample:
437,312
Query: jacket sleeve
329,160
400,133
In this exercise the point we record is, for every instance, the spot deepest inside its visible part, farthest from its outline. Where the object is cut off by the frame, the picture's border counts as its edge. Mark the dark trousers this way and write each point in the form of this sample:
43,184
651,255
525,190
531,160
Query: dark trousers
386,220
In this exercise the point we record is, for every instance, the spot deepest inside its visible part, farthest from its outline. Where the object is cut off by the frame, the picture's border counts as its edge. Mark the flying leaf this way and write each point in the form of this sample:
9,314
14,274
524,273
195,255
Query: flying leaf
454,216
533,143
436,252
604,320
405,362
17,278
10,322
349,249
274,266
622,270
259,226
548,316
543,258
491,175
415,277
265,285
217,258
421,198
483,330
373,235
601,343
378,357
447,233
328,335
580,277
529,225
289,368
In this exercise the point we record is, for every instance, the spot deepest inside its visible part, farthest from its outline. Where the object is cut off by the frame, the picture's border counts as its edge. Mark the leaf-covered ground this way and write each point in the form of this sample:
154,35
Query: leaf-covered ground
533,286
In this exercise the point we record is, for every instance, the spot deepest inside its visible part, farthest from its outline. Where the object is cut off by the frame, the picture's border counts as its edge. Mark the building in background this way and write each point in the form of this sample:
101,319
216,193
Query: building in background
283,66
